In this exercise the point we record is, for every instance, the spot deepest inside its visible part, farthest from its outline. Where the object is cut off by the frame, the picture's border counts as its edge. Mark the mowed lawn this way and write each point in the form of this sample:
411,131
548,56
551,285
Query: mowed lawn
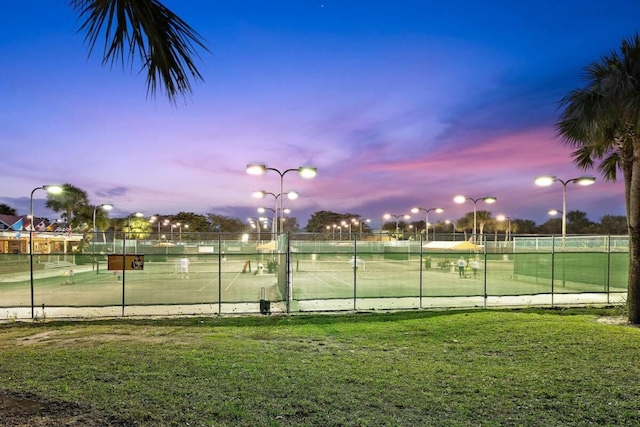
571,367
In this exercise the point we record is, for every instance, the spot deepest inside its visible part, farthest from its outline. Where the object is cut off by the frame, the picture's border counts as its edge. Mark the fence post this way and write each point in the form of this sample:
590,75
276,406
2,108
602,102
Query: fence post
420,264
355,269
124,258
553,266
484,250
608,284
287,271
219,273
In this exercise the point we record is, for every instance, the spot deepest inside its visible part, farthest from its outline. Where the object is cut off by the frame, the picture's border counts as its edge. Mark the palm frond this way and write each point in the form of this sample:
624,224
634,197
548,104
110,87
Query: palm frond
148,32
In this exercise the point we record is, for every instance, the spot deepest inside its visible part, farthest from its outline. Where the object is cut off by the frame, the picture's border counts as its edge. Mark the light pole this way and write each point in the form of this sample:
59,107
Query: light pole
273,221
388,216
256,224
345,224
426,222
486,199
306,172
547,180
448,221
361,221
51,189
179,225
508,232
106,207
554,212
291,195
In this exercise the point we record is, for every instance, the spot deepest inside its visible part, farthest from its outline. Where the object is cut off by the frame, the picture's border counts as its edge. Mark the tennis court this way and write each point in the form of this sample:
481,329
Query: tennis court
314,278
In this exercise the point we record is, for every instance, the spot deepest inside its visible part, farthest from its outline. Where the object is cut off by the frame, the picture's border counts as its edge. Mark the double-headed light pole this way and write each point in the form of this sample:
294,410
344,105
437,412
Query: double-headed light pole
306,172
486,199
426,222
547,180
388,216
291,195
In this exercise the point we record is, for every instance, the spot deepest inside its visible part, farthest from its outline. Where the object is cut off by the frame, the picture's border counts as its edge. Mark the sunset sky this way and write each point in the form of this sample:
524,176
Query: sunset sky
397,104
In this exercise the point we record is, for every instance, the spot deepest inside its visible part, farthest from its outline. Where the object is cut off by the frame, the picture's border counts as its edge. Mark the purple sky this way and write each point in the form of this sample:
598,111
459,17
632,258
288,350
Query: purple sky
396,103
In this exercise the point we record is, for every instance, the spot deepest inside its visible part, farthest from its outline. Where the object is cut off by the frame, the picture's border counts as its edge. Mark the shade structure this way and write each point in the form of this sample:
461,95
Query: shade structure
269,246
164,244
452,246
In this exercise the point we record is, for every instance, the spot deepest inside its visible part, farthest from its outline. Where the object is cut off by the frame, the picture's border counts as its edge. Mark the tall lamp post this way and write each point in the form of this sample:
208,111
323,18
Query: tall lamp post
360,223
291,195
51,189
306,172
554,212
547,180
106,207
273,221
453,223
486,199
388,216
426,222
508,232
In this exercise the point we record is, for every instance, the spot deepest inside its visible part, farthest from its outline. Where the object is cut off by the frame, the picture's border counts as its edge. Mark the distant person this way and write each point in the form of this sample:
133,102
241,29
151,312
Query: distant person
356,263
184,268
475,266
461,266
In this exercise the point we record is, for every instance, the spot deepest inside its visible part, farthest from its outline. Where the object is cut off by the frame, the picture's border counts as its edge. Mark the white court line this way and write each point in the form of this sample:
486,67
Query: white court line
227,288
350,284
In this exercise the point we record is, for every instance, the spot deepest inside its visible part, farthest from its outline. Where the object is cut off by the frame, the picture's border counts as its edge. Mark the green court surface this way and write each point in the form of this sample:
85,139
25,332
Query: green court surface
213,280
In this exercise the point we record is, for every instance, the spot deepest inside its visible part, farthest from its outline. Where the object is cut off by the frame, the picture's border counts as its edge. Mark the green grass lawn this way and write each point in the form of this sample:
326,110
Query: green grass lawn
419,368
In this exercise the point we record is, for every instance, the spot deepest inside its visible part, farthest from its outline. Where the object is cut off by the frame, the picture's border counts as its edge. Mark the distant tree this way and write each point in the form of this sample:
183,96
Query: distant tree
136,228
70,200
226,224
146,31
483,218
578,223
523,226
7,210
195,222
291,224
465,224
319,221
551,226
614,225
84,216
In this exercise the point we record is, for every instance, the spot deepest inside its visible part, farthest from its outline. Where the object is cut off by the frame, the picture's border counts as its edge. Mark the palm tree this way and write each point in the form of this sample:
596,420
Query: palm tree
483,218
7,210
71,199
147,31
602,122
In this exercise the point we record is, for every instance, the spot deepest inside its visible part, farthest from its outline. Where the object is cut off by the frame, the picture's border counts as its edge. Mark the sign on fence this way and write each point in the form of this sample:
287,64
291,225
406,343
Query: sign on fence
131,262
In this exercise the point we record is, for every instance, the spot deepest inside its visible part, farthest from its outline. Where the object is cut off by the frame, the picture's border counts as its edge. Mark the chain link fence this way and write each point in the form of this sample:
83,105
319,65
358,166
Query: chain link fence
222,273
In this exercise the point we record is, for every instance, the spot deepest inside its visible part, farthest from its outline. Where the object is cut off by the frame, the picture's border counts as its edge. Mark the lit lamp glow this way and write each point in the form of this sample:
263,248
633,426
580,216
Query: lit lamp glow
547,180
306,172
426,222
486,199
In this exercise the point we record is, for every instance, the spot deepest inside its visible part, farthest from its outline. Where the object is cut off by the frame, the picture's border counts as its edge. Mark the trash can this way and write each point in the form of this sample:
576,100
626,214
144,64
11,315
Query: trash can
265,304
265,307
